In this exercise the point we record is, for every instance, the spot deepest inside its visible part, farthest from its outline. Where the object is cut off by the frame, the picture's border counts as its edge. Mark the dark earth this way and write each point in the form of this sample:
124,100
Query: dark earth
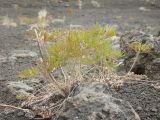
124,14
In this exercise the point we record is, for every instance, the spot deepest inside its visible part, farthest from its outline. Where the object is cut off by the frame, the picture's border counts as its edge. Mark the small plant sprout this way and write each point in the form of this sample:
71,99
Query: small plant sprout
139,48
77,47
32,72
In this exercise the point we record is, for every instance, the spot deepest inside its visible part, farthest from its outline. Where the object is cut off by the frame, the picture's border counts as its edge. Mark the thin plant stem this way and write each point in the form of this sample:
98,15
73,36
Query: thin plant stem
14,107
49,75
137,56
65,77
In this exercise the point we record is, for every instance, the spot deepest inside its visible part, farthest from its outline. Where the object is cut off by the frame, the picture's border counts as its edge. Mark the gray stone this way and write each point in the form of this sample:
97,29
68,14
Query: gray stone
9,111
66,5
154,110
1,78
15,86
29,114
94,101
139,108
144,9
20,113
23,54
154,2
3,59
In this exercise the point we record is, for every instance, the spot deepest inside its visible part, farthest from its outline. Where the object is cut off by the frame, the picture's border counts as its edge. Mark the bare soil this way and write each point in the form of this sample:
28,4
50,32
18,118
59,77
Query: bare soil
125,14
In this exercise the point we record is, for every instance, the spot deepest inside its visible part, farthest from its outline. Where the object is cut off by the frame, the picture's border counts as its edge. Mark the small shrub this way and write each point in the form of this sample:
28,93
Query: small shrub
84,46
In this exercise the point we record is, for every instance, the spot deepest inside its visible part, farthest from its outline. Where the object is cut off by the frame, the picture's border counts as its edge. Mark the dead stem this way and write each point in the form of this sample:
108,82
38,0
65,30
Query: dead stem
49,75
65,77
61,105
137,55
14,107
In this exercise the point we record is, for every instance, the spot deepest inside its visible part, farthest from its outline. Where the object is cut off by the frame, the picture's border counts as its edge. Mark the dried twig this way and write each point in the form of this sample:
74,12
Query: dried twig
48,75
65,77
14,107
136,58
61,105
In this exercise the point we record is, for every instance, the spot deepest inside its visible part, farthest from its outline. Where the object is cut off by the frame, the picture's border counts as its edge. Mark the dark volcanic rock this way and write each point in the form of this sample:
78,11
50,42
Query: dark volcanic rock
94,101
154,2
148,63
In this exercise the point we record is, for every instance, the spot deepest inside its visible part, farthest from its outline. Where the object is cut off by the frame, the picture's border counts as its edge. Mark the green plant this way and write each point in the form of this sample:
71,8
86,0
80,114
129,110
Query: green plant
22,96
84,46
139,48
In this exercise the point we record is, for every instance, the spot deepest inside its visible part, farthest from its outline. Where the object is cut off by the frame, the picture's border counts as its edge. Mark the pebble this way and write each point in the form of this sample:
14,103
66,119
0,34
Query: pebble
66,5
20,113
144,9
154,110
3,59
30,115
139,108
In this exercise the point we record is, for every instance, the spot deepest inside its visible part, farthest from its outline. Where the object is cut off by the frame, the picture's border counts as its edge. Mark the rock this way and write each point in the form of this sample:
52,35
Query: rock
1,78
154,110
94,101
16,86
9,111
30,115
139,108
144,9
95,3
23,54
148,63
67,5
20,113
3,59
154,2
4,89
